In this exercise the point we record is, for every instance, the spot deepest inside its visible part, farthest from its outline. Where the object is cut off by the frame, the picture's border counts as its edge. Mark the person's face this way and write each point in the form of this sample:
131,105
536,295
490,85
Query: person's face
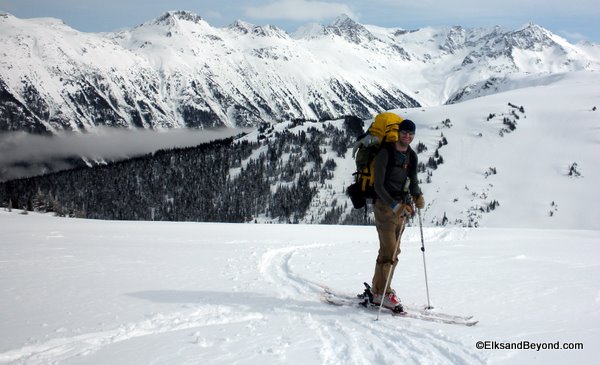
406,137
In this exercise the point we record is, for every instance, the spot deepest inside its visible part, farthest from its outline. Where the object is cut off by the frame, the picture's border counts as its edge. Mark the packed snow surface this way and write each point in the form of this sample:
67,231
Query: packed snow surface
115,292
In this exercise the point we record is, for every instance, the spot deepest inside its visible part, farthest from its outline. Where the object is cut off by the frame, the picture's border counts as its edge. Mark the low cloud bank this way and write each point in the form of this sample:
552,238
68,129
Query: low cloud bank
23,154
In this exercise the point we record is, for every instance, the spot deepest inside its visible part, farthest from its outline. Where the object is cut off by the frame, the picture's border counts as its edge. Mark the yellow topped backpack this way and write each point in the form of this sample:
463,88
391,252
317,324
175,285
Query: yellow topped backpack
383,129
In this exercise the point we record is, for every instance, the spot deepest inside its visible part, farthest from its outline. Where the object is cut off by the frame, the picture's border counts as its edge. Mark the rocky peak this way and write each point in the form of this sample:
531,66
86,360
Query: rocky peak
454,40
170,16
242,27
344,22
169,24
349,29
531,37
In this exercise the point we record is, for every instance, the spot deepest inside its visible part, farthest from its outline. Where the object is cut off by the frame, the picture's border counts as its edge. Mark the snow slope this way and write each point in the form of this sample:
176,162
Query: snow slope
556,128
102,292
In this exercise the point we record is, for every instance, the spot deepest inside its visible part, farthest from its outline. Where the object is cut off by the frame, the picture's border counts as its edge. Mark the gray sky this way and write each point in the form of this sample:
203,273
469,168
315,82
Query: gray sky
575,20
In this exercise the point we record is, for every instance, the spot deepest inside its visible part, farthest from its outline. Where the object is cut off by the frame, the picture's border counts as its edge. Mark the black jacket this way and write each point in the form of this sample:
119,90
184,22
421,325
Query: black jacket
391,174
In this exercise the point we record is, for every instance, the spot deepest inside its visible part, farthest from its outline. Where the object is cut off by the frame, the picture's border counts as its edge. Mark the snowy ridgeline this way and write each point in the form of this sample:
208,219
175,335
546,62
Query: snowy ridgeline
106,292
524,158
179,71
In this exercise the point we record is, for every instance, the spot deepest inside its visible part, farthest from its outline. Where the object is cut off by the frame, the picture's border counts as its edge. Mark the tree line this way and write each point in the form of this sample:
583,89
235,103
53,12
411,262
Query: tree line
196,183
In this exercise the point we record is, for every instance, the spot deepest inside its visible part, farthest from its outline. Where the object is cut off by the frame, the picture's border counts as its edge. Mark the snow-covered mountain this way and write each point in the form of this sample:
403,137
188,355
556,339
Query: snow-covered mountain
524,158
520,158
177,70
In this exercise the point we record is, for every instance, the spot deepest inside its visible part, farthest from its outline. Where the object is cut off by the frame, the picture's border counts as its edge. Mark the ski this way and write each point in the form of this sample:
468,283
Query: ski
331,297
412,308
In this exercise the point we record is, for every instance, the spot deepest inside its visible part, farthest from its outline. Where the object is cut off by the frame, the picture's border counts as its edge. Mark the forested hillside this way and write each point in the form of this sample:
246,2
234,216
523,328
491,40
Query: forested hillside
213,182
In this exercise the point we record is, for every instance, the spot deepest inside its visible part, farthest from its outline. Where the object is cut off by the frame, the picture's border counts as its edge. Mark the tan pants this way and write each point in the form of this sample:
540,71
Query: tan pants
389,228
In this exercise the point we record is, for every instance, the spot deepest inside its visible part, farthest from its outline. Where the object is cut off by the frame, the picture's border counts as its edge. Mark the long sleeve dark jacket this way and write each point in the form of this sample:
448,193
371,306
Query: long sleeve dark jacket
390,176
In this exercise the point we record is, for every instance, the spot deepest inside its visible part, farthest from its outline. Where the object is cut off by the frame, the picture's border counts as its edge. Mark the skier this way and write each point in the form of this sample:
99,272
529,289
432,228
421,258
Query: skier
396,185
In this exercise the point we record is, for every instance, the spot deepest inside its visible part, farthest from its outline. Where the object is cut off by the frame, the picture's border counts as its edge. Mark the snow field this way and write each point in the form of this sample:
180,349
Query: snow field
87,292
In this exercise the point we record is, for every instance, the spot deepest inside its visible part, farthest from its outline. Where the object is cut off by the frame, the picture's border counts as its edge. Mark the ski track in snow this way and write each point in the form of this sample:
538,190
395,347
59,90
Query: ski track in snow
339,335
95,292
275,268
272,314
362,340
60,349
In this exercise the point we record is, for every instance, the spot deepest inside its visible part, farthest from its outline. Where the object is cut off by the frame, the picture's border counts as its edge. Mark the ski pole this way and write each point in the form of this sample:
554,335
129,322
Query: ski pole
424,264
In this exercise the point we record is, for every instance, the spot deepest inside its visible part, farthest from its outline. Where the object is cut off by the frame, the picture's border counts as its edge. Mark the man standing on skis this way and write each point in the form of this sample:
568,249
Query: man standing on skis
396,185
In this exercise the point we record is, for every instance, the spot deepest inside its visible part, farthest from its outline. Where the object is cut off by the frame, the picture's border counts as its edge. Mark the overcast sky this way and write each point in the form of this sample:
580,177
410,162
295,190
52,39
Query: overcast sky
575,19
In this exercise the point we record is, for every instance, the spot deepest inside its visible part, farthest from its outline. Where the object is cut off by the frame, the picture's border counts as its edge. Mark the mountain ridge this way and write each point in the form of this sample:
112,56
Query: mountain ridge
178,71
523,157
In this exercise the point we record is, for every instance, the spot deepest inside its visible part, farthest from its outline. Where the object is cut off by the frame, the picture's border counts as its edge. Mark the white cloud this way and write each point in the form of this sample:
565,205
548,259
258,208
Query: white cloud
299,10
19,148
572,36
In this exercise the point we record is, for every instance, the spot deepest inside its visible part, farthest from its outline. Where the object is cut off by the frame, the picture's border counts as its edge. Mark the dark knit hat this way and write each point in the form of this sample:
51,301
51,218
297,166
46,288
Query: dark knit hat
407,125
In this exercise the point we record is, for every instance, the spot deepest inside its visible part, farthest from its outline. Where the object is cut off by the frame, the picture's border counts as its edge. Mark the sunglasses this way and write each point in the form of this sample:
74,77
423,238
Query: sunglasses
405,133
